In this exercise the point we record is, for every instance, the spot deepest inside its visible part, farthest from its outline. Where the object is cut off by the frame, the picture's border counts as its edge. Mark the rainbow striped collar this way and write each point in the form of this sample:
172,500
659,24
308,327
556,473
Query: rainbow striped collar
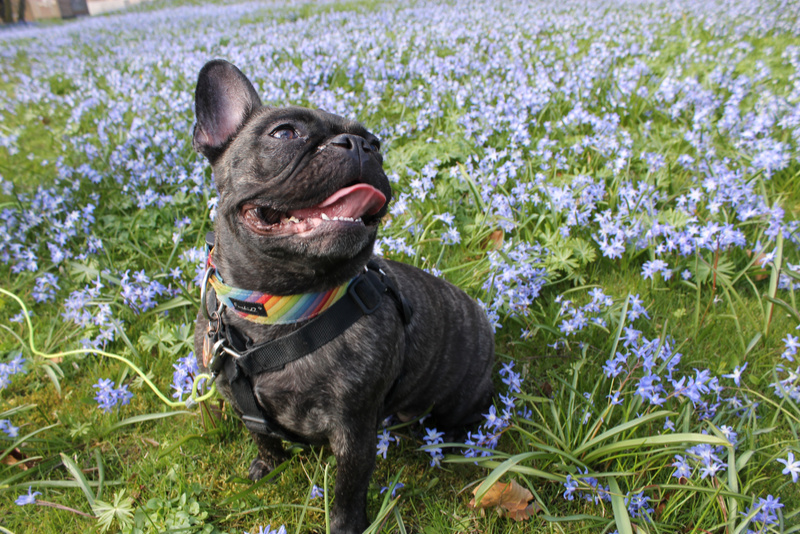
263,308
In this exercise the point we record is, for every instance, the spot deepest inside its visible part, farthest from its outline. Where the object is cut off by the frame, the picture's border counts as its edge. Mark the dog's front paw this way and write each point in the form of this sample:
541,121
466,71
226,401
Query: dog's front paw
259,469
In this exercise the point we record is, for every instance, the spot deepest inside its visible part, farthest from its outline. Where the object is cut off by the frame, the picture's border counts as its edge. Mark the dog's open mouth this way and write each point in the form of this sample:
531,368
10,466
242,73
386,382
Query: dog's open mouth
354,205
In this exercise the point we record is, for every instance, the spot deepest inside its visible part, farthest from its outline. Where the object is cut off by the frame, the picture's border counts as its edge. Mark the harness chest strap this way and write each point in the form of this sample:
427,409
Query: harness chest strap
243,361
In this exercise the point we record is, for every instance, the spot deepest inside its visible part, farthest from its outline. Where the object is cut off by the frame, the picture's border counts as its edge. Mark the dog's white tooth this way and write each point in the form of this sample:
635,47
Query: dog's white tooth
294,219
325,217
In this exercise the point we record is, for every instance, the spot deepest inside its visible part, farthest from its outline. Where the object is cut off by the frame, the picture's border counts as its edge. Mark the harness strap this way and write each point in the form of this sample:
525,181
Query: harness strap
364,296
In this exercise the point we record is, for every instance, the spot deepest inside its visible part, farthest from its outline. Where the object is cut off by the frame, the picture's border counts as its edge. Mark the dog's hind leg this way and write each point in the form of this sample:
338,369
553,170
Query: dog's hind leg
270,455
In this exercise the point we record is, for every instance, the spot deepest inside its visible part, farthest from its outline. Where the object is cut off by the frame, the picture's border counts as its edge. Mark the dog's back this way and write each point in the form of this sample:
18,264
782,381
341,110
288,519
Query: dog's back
449,351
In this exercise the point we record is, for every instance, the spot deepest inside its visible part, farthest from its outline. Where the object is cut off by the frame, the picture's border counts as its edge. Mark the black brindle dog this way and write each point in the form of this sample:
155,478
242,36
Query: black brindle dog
301,193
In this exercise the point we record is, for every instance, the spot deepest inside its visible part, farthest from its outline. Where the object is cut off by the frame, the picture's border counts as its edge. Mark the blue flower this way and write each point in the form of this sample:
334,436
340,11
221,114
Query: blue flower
792,467
683,469
434,437
639,505
317,492
29,498
736,375
570,485
394,487
10,430
384,439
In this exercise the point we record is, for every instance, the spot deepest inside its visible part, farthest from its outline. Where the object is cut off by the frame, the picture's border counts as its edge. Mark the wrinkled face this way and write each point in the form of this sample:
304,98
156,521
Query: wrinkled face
303,181
295,184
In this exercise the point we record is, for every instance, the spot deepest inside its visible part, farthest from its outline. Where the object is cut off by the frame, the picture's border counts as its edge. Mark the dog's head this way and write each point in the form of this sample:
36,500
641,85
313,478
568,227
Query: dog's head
301,191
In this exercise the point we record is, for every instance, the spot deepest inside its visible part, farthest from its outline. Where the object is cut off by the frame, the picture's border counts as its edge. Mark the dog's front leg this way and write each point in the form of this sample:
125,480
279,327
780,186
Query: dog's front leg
354,449
270,454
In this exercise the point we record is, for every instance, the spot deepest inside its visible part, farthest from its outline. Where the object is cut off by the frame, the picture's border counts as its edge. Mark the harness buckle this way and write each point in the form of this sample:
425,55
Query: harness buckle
372,294
215,363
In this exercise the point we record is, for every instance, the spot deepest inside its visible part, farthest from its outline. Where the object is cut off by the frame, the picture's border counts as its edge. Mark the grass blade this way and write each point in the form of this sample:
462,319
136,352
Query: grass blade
621,428
77,474
653,441
773,282
143,418
621,516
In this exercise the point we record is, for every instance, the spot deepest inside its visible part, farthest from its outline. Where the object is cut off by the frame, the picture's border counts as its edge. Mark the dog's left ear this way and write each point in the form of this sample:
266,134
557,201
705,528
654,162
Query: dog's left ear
223,101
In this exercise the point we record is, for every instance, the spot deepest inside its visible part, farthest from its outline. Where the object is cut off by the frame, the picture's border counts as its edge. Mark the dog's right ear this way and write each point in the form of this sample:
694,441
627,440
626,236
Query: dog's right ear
223,100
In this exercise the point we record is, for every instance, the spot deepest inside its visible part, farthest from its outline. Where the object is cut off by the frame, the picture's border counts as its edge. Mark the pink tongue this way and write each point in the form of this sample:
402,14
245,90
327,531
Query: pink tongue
353,202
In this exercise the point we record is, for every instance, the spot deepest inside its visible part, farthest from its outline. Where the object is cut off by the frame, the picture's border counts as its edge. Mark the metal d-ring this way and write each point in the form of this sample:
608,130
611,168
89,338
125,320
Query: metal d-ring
204,293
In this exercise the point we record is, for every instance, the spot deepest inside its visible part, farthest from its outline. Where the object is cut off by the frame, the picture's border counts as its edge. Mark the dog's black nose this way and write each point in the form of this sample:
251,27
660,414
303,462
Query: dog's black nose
351,142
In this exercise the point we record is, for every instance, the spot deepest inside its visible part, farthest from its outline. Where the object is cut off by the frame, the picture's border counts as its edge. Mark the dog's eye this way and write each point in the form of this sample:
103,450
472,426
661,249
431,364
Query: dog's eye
284,132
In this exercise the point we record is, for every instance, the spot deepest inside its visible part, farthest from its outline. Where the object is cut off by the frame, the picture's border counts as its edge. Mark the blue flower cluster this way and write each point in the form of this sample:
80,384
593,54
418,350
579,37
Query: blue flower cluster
594,491
486,438
518,276
139,292
11,368
766,516
385,438
108,396
183,377
45,288
789,383
85,309
433,437
639,505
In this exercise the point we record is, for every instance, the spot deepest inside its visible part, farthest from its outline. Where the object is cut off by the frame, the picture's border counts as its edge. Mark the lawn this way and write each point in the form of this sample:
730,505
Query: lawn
616,182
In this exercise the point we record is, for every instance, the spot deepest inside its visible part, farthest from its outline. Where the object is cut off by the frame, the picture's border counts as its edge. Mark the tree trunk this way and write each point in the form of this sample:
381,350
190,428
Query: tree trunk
21,12
5,6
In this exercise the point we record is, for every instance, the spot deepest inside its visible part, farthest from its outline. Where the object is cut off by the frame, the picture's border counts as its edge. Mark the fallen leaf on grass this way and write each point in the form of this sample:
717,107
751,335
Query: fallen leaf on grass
17,459
510,499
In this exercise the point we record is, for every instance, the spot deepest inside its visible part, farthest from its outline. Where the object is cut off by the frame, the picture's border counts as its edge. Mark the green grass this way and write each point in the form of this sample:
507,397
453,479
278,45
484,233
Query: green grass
149,467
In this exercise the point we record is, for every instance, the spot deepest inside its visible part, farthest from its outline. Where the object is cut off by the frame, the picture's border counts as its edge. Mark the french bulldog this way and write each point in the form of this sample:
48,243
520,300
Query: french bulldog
301,194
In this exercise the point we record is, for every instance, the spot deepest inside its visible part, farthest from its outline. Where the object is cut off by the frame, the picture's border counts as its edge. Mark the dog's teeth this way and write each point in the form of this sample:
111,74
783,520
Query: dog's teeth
325,217
294,219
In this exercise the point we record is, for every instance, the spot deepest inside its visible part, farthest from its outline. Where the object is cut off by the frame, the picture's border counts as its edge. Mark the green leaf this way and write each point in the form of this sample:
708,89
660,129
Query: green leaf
77,474
652,441
145,417
621,428
177,302
121,511
621,516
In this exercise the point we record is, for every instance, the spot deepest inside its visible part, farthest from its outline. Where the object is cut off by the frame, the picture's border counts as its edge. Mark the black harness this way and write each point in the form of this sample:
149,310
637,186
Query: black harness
233,351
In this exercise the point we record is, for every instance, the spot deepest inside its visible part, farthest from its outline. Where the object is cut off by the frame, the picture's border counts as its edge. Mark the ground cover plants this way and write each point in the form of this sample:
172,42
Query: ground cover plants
616,182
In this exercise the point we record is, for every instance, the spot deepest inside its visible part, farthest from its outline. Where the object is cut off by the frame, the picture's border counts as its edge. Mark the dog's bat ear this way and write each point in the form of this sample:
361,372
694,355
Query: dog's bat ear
223,99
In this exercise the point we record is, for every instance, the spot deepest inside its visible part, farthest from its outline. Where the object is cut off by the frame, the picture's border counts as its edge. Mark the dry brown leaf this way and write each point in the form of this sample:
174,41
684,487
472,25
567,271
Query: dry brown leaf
17,459
763,273
495,240
510,499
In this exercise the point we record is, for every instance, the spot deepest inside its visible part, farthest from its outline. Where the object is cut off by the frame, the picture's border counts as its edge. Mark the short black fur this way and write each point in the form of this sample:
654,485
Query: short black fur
270,162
